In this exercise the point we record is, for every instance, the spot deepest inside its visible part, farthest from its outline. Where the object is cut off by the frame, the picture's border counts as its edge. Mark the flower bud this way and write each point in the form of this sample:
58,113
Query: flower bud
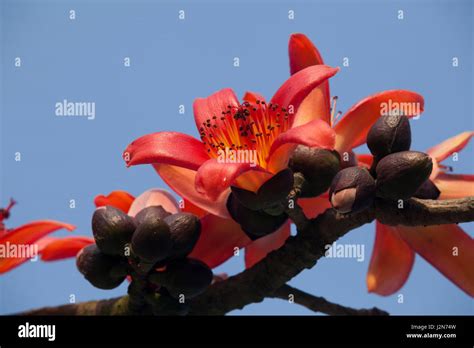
348,159
152,212
400,174
254,223
99,269
151,241
185,230
352,190
318,167
270,193
390,134
276,188
112,229
427,190
186,277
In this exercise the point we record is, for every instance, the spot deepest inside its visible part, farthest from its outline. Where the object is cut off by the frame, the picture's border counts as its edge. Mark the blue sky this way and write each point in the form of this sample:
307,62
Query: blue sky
174,61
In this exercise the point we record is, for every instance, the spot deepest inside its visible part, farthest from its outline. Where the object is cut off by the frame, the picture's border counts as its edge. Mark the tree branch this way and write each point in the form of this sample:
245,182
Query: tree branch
320,304
299,252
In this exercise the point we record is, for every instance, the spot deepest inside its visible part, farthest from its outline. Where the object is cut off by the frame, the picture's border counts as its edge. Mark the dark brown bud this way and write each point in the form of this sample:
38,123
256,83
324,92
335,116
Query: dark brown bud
186,277
390,134
270,193
101,270
152,212
427,190
352,190
348,159
318,167
151,241
255,224
112,229
185,230
400,174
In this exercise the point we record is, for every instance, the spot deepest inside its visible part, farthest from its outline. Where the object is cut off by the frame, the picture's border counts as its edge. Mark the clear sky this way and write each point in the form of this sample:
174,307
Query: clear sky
174,61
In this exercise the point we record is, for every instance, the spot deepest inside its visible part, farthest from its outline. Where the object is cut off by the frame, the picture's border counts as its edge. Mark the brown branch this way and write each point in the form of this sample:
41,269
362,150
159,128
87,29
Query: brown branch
320,304
113,306
301,252
308,246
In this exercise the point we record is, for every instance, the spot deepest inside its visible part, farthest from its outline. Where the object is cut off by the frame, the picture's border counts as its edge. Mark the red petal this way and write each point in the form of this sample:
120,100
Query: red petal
252,97
182,181
261,247
303,54
118,199
454,186
63,248
172,148
436,245
312,207
26,235
449,146
189,207
214,178
299,86
206,108
316,133
154,197
219,237
352,129
365,160
391,262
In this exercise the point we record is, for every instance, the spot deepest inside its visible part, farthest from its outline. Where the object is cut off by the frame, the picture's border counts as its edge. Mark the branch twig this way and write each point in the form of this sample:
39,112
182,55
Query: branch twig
320,304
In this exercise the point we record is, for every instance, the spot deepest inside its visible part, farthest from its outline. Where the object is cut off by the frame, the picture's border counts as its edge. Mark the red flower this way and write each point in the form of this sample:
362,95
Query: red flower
447,247
192,168
33,233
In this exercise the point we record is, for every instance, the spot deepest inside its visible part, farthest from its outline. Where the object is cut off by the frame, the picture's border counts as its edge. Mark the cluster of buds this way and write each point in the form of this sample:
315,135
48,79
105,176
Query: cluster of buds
396,173
263,212
153,245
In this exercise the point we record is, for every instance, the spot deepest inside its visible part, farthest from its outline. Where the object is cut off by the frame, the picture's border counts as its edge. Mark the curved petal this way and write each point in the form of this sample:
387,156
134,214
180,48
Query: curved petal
455,185
154,197
26,235
391,262
214,105
448,248
314,206
173,148
218,240
365,160
182,181
303,53
352,129
252,97
294,90
261,247
63,248
441,151
119,199
214,178
316,133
